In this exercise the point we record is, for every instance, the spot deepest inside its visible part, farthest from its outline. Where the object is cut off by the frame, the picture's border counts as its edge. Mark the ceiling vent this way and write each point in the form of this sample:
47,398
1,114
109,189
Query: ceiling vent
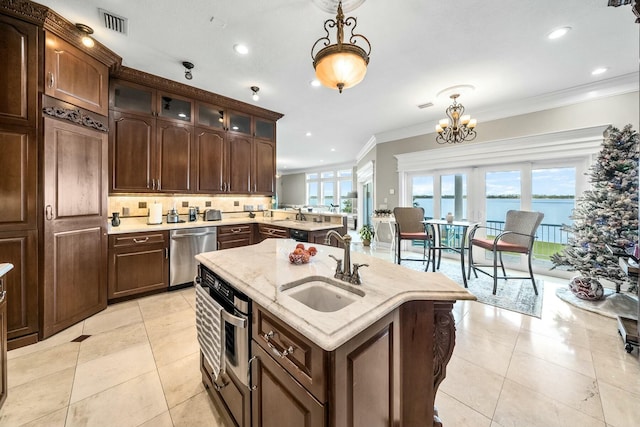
427,105
114,22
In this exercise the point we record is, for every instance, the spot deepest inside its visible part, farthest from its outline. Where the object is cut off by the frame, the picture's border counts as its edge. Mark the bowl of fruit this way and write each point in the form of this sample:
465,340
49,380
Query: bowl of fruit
302,255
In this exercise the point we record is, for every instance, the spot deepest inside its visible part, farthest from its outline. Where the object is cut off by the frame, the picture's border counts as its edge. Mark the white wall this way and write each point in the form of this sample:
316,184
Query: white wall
616,110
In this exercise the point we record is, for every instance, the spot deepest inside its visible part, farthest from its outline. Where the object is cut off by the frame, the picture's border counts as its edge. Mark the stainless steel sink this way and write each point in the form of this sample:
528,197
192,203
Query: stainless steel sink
322,293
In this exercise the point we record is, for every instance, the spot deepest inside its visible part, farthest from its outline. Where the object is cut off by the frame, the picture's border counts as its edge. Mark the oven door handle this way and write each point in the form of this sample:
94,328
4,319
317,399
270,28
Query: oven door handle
236,321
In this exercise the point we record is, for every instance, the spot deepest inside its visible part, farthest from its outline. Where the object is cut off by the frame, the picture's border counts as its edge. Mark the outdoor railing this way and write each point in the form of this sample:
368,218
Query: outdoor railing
550,238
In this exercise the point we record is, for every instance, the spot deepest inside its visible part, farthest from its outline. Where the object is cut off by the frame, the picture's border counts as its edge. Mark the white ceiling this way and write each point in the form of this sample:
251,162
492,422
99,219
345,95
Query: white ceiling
419,47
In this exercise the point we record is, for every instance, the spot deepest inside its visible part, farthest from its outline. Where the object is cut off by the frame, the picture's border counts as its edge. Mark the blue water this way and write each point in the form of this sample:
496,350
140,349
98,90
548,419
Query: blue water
556,211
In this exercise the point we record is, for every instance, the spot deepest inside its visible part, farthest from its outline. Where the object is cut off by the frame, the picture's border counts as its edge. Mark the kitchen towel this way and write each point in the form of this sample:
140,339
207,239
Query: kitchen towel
210,329
155,213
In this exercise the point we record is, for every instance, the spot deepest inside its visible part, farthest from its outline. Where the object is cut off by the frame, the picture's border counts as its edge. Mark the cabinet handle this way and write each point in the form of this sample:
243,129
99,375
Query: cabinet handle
275,351
48,213
140,240
158,186
236,230
166,253
50,79
251,388
3,294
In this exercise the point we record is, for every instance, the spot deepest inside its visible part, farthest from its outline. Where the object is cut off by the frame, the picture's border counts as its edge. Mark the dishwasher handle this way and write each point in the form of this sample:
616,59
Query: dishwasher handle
184,236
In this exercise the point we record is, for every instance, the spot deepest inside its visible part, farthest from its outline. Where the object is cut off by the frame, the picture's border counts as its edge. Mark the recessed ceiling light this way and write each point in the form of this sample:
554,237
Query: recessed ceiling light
333,149
556,34
308,134
315,83
241,49
600,70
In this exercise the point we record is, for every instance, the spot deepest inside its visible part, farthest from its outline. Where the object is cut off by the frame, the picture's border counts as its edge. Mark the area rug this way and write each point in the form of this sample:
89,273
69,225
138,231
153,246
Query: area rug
514,295
613,304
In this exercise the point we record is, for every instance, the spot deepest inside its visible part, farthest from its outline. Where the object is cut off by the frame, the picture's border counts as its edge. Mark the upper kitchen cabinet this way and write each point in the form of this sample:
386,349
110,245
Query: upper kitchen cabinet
75,77
151,140
265,129
139,99
240,123
170,137
19,71
264,166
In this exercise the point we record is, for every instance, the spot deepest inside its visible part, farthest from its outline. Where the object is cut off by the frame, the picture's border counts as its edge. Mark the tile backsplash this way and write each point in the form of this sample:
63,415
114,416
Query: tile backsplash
226,204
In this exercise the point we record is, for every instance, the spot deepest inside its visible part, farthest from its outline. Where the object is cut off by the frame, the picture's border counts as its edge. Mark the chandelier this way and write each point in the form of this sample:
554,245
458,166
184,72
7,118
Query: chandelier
340,65
458,127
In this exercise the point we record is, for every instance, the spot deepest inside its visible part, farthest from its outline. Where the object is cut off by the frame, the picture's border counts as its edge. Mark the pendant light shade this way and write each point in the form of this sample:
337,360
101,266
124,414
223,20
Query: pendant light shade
340,65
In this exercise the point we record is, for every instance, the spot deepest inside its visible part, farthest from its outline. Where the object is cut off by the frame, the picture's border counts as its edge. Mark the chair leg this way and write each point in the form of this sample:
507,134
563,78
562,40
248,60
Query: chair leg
398,242
504,272
471,265
533,280
495,273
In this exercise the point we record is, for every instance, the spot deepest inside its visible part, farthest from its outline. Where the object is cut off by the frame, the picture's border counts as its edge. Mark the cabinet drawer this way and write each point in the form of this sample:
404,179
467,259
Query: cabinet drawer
234,230
304,360
138,239
268,231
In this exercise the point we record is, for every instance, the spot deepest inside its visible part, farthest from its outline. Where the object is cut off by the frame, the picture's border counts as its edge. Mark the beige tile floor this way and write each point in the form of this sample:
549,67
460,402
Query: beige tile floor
140,368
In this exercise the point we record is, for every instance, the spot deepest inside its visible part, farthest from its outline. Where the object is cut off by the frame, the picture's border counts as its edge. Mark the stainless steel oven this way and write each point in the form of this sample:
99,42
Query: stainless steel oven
237,321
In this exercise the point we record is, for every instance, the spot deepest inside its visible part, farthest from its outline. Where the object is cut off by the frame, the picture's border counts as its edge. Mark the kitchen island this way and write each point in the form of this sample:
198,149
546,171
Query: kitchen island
377,361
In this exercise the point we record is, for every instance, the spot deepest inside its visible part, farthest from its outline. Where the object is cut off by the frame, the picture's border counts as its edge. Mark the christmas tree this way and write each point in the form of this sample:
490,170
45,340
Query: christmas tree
607,214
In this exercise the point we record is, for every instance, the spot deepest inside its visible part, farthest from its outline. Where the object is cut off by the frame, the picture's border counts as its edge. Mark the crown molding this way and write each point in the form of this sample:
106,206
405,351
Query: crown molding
620,85
48,19
572,143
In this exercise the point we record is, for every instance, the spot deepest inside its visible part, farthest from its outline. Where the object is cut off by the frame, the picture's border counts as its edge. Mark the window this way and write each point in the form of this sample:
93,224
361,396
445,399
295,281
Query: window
329,188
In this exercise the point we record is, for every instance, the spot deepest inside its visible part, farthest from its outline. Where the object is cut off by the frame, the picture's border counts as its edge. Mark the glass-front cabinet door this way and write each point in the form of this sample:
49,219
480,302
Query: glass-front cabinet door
175,108
210,116
265,129
132,98
239,122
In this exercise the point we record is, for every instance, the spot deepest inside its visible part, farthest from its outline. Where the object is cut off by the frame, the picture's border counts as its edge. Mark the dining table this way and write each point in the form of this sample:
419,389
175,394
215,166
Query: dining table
448,235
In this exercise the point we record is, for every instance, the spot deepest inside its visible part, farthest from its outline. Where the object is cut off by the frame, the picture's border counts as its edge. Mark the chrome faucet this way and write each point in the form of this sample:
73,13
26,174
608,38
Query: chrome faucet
300,216
345,274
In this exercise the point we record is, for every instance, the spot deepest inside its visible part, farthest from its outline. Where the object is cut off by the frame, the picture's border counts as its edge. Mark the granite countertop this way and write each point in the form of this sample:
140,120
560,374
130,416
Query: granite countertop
139,224
385,285
5,268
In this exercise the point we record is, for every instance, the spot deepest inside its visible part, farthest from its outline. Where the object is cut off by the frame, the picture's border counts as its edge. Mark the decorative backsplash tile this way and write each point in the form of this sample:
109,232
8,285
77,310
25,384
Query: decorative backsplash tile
226,204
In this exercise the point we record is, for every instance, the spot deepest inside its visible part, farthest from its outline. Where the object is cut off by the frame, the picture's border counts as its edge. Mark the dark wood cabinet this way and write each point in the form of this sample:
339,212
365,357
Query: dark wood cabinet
234,399
279,400
20,248
132,152
174,150
211,162
4,387
75,216
233,236
18,178
154,146
267,231
75,77
240,151
44,66
19,71
151,140
138,263
264,166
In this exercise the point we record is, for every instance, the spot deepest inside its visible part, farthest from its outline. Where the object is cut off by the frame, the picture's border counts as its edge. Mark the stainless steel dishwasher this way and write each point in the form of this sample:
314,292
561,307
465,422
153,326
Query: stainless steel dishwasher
185,244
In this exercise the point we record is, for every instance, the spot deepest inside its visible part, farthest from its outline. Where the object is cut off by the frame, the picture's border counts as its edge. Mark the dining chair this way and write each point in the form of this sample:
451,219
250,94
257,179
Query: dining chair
409,226
517,236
